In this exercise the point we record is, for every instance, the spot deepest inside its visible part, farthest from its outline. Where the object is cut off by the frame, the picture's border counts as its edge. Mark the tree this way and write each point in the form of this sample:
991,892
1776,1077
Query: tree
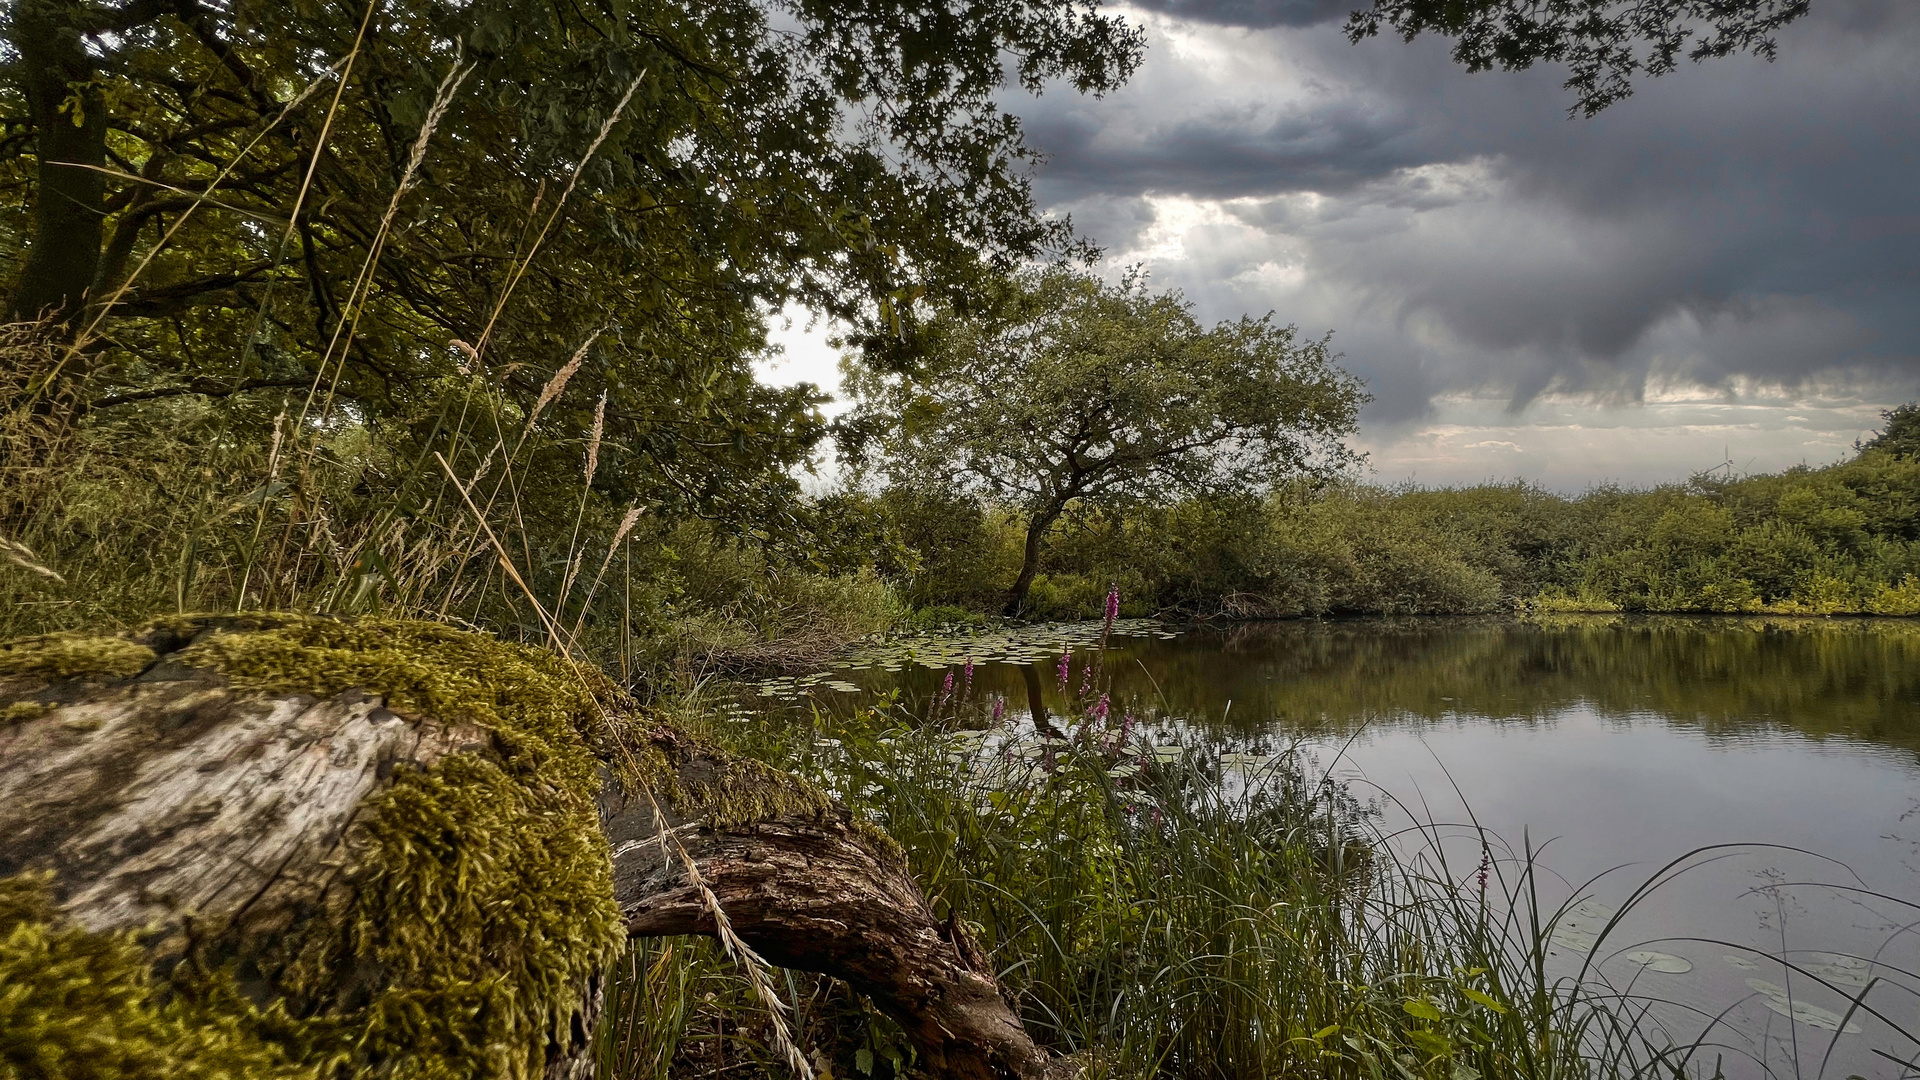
1605,44
219,199
1901,436
1063,390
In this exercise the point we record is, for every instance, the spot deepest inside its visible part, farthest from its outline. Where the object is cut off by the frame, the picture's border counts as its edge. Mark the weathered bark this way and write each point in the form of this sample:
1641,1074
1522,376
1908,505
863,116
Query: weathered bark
223,821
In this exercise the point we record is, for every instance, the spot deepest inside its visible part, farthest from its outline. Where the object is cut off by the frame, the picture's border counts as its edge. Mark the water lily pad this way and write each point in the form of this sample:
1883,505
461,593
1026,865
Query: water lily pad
1775,998
1567,937
1591,909
1665,963
1840,970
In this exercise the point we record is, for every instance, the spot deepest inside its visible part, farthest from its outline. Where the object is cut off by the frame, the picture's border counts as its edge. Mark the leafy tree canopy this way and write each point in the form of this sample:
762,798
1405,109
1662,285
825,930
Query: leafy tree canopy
1901,436
1061,388
221,196
1606,44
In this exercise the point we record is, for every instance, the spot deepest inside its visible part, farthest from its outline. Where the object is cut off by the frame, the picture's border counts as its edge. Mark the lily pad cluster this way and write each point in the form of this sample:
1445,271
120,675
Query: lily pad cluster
1038,644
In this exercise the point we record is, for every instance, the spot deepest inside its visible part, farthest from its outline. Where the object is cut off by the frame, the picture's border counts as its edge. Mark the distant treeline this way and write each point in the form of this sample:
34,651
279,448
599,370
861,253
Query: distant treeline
1839,539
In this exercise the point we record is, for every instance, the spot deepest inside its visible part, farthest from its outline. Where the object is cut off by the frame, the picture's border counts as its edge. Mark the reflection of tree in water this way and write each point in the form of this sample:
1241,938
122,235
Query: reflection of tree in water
1854,678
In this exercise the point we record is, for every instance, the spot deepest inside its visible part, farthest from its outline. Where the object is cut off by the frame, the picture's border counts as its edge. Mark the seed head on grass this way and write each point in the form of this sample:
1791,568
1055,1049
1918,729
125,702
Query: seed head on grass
593,440
559,381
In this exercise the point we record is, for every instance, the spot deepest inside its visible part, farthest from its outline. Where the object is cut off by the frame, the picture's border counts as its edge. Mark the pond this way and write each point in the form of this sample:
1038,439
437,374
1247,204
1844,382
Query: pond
1608,746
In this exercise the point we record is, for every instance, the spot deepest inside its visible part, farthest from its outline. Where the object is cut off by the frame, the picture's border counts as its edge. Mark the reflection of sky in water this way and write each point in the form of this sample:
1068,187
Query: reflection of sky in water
1612,744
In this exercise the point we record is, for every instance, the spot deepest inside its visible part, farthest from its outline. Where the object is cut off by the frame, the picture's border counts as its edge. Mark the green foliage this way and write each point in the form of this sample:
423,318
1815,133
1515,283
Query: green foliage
660,171
1838,540
76,1005
1901,436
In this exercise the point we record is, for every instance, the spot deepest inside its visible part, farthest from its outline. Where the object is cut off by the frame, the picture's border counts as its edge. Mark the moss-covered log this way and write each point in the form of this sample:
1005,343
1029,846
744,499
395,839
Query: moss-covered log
308,847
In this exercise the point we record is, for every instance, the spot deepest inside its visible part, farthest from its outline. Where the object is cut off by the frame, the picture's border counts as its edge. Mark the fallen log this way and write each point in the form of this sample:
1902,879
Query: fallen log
304,846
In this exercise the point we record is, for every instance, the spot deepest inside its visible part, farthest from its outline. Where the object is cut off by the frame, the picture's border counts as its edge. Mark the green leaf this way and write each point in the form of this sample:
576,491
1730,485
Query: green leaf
1421,1008
1330,1029
1483,999
863,1061
1432,1043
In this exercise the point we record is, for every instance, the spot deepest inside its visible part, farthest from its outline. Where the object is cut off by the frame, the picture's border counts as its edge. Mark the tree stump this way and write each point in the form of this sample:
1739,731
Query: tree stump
305,846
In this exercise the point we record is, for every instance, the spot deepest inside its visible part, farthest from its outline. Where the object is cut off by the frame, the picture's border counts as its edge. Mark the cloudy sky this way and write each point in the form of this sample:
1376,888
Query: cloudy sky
1725,265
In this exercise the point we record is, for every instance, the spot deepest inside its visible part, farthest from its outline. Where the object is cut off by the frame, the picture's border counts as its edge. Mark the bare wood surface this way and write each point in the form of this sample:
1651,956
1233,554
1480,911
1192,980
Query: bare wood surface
175,802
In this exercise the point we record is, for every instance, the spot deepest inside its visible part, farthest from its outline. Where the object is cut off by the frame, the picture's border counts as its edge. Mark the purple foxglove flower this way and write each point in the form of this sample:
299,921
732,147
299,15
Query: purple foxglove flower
1099,710
967,692
999,707
1066,669
1113,604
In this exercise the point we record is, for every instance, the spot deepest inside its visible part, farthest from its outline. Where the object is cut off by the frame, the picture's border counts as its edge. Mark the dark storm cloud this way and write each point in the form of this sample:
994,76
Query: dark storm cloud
1735,220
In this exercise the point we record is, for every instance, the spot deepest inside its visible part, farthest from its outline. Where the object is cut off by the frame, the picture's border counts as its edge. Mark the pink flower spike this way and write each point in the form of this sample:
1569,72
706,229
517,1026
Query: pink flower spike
1066,669
1113,604
968,685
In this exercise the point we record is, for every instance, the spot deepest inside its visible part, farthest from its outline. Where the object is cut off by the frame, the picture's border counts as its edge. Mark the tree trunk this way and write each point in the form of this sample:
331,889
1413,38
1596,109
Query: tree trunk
224,823
1030,559
70,122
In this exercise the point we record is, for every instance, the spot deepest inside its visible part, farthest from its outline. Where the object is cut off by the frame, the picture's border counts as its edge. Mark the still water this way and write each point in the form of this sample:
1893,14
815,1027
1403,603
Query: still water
1783,755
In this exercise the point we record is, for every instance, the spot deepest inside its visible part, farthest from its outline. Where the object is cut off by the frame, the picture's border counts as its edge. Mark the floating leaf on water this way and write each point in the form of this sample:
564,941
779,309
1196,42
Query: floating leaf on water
1666,963
1590,908
1123,771
843,687
1840,970
1169,753
1775,998
1567,937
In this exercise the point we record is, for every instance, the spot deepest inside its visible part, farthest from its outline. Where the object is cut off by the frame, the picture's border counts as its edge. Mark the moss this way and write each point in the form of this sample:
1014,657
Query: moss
485,891
704,781
78,1004
74,656
20,712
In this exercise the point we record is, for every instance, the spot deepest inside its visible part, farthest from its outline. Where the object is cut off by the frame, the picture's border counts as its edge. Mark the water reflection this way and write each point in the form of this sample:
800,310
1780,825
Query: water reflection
1730,677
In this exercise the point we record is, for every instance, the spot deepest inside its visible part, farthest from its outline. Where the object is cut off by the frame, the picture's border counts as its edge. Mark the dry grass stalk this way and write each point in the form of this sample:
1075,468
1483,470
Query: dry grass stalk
593,439
21,555
558,383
